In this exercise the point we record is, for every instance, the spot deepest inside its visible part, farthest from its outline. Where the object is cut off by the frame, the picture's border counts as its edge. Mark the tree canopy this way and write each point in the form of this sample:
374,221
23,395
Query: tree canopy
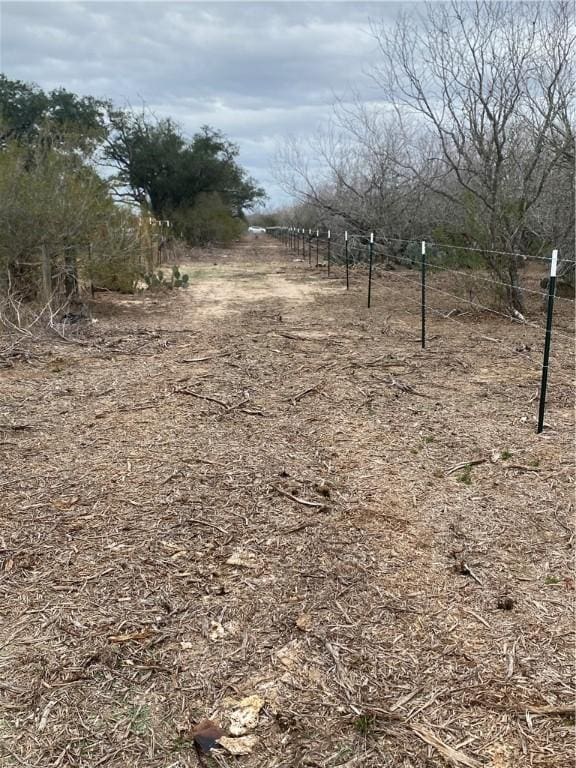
27,112
198,182
60,214
156,166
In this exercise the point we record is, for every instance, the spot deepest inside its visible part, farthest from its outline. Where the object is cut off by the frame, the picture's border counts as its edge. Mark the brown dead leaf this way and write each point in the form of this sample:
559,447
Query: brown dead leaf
206,735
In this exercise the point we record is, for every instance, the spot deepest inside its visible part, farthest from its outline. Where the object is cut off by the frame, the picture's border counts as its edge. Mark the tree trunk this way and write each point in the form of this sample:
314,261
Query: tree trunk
505,270
514,291
46,276
70,274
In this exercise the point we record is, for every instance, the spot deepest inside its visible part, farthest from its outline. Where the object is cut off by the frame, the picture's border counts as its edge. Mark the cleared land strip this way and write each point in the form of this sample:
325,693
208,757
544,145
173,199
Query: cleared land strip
284,499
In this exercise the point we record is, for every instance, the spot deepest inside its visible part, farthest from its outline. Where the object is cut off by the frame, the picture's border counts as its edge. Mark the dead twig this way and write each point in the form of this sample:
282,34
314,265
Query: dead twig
392,382
522,468
451,754
473,613
185,391
305,502
203,359
470,463
307,524
304,392
206,523
228,408
566,710
142,634
465,570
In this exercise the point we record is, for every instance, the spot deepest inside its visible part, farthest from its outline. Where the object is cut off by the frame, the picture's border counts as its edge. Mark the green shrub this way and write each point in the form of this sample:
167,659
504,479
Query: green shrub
52,203
208,221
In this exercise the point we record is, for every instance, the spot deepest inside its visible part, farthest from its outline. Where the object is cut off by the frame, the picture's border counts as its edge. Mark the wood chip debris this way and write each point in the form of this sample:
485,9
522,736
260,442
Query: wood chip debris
455,756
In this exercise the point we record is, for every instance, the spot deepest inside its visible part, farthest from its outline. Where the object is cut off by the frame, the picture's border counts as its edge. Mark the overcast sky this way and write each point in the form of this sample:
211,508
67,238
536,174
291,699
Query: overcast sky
259,71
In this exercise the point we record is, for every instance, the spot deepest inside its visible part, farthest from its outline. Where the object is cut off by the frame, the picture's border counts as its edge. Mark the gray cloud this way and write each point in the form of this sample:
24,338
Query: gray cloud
256,70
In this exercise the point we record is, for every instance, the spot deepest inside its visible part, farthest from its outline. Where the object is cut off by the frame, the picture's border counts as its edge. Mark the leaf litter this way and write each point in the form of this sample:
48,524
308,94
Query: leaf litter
154,576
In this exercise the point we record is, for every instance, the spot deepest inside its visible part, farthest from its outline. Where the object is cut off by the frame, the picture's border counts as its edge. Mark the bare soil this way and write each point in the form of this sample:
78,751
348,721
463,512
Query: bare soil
257,487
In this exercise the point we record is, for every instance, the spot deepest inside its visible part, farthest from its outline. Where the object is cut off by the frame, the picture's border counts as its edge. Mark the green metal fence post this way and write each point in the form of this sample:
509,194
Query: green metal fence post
423,284
547,340
346,257
371,255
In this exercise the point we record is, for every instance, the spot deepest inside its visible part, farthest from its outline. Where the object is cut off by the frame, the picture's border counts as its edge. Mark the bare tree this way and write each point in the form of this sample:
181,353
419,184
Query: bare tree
349,172
491,84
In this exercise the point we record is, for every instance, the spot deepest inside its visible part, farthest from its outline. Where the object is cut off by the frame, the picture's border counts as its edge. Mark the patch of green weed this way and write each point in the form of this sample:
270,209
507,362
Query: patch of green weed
466,475
139,716
364,724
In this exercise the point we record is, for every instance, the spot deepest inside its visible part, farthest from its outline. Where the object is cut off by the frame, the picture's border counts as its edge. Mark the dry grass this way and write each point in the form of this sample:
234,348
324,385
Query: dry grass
158,558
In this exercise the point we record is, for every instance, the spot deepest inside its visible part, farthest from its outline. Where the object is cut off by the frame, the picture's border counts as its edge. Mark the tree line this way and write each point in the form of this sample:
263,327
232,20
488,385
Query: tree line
469,139
81,180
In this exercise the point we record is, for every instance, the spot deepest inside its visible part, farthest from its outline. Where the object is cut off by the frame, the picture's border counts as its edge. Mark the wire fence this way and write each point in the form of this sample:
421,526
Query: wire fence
405,266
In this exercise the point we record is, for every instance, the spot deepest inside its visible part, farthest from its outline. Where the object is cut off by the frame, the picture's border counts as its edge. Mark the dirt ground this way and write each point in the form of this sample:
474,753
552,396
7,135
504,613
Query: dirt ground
257,499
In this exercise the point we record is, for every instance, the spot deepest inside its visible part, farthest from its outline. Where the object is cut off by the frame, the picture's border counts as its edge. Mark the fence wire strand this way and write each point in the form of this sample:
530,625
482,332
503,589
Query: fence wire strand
502,344
434,244
417,285
510,318
433,267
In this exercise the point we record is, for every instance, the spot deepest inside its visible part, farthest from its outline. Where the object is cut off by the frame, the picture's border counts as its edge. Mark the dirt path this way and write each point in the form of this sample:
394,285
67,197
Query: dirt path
252,489
225,289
